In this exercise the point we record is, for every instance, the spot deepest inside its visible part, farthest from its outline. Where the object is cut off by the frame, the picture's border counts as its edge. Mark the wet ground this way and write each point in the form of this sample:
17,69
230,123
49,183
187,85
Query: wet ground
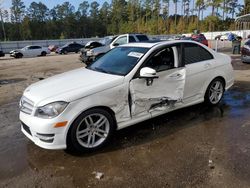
198,146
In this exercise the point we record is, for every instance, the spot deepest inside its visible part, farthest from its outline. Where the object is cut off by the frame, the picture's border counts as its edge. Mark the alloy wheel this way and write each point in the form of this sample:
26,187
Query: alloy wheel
93,130
216,91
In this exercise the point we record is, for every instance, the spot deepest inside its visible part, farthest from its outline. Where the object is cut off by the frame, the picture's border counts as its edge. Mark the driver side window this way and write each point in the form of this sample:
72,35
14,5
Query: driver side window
162,60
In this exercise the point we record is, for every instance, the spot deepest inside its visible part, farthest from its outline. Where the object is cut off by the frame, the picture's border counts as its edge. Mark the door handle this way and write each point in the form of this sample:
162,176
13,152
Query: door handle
178,75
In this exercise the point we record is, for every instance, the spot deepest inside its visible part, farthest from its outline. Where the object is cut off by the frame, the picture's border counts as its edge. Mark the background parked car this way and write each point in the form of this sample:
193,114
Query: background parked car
69,47
53,48
200,38
245,52
2,54
90,55
92,44
226,36
30,51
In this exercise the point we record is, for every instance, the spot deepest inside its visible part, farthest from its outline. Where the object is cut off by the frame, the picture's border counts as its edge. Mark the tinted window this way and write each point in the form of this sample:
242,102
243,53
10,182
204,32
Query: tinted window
37,47
34,47
132,39
119,61
162,60
194,53
142,37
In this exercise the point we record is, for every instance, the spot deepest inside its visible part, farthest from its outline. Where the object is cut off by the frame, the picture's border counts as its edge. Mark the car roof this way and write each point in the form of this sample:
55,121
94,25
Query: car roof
150,44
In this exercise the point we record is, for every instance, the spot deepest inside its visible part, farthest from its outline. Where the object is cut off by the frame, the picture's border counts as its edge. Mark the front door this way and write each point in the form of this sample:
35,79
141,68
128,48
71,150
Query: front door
162,93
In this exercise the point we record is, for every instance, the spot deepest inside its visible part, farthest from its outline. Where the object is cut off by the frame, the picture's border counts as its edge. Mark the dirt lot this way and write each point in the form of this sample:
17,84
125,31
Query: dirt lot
193,147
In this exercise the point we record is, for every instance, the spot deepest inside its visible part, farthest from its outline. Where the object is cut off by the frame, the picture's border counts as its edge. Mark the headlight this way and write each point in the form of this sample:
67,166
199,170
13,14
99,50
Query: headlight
51,110
90,52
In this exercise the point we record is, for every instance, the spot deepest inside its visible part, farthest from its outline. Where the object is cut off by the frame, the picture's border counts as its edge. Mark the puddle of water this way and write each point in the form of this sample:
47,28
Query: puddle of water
11,81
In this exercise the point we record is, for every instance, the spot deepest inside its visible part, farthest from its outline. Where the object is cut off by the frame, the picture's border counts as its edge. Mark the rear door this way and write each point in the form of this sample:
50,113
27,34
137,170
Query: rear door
164,92
199,65
37,50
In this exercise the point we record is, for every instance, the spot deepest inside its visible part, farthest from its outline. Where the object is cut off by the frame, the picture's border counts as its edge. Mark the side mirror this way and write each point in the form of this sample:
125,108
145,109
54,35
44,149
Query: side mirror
115,44
147,72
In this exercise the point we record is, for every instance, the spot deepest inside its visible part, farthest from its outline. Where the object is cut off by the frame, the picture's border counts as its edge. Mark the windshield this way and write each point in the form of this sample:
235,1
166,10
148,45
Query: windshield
107,40
119,61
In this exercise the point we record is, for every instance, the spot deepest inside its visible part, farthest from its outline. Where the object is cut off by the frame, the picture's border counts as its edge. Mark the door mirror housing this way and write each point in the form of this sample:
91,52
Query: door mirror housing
115,44
147,72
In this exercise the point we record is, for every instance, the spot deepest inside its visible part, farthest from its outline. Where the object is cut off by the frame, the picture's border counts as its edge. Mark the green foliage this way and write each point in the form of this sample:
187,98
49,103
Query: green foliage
90,18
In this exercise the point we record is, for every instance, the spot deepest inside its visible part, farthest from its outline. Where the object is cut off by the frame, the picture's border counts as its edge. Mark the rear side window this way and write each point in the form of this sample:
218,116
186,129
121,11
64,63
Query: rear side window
194,53
142,37
37,47
34,47
132,39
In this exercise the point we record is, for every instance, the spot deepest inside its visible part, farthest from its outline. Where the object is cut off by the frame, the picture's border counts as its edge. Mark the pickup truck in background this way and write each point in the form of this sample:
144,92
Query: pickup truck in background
89,54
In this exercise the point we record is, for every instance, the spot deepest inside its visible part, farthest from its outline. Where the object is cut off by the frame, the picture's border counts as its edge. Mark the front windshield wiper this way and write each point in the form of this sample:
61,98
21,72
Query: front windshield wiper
101,70
104,71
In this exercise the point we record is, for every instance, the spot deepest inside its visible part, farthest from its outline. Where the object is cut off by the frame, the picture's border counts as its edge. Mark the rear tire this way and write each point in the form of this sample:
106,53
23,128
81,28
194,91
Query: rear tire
90,131
43,54
214,92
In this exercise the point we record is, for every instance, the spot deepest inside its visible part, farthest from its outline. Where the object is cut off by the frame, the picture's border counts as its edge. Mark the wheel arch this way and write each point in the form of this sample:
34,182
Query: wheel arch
222,78
109,110
212,79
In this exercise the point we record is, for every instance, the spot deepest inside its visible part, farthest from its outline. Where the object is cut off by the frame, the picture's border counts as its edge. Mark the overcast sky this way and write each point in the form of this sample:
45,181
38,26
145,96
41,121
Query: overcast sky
51,3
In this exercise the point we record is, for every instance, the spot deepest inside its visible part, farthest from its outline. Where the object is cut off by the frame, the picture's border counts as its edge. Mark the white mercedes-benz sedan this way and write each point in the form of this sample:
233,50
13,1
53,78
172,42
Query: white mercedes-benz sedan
81,109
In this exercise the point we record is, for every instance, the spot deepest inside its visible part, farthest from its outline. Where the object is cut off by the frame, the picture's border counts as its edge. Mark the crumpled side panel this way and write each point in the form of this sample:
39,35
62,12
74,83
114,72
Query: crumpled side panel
161,95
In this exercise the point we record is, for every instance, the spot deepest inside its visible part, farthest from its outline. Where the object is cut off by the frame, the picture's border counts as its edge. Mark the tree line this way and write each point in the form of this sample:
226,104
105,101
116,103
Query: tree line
37,21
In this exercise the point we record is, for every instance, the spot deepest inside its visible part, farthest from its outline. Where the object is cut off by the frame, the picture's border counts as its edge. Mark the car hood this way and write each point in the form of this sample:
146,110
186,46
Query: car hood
16,50
71,86
101,49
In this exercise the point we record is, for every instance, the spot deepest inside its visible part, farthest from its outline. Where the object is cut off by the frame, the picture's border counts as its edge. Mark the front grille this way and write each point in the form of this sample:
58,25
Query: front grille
26,128
26,105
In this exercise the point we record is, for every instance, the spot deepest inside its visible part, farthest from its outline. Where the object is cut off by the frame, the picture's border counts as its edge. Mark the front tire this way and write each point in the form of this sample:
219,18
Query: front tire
90,131
215,92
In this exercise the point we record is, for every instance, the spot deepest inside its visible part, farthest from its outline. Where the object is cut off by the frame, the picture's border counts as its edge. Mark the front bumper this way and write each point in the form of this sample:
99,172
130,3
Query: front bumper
42,131
86,59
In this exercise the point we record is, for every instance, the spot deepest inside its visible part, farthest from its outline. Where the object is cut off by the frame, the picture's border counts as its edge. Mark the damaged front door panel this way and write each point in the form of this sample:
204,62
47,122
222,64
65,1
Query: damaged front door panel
161,95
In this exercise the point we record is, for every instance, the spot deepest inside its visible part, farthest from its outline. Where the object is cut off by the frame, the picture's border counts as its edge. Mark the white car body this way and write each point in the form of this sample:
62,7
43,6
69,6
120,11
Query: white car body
84,89
224,37
31,51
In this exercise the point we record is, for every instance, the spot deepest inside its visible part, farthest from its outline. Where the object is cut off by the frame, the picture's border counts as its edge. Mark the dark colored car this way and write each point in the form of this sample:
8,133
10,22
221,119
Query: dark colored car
2,54
200,38
70,47
245,52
